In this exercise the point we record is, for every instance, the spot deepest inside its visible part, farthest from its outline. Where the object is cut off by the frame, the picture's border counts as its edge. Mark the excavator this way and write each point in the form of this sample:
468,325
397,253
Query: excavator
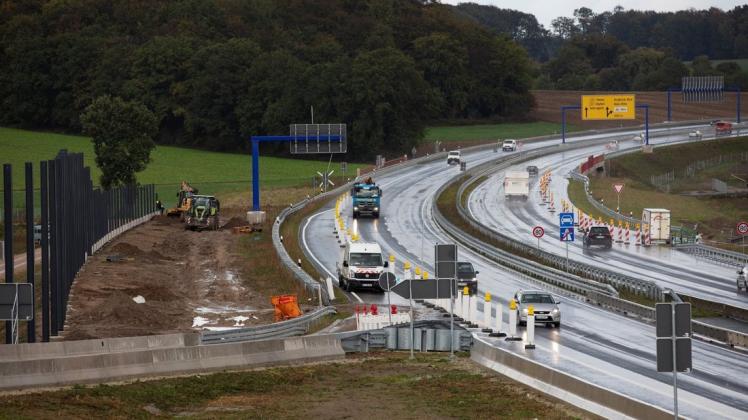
203,213
184,201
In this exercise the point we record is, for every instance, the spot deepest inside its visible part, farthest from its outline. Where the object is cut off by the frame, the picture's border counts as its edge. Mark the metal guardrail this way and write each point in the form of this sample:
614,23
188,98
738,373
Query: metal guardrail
721,256
429,335
292,327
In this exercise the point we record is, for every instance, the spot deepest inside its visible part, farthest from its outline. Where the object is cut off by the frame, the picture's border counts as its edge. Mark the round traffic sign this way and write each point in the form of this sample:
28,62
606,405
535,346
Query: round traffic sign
743,228
538,232
387,280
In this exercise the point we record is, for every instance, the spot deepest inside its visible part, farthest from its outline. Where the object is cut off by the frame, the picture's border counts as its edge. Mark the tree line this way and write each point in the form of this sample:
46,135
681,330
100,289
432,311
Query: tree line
214,72
625,49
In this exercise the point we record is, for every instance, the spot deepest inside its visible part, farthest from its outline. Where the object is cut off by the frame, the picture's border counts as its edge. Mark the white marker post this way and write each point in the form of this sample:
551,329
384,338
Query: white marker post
459,310
487,314
499,321
513,321
530,327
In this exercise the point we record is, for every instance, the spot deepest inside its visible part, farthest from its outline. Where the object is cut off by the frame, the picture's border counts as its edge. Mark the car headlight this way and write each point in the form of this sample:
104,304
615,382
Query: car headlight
524,310
555,310
355,207
376,208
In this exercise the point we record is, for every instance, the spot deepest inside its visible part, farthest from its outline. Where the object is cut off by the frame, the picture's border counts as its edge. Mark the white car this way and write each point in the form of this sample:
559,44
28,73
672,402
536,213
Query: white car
696,134
362,265
509,145
453,158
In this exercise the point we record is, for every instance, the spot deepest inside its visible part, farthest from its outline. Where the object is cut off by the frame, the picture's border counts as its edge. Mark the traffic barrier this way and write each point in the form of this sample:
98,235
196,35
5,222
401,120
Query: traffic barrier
627,237
638,238
619,238
487,314
647,237
513,322
530,328
459,305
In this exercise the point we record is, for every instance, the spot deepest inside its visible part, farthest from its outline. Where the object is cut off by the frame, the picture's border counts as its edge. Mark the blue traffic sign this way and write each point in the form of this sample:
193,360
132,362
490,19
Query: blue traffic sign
566,220
567,234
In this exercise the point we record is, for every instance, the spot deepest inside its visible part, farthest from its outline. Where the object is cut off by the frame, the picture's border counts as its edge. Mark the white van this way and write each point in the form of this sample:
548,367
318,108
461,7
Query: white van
454,157
361,266
517,184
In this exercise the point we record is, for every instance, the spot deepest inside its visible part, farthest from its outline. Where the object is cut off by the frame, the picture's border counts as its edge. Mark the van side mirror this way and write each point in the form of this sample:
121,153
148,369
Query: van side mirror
386,264
477,272
345,263
558,301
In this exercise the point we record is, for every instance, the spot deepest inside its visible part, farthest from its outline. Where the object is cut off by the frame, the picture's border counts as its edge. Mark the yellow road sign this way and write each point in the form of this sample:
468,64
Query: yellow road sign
608,107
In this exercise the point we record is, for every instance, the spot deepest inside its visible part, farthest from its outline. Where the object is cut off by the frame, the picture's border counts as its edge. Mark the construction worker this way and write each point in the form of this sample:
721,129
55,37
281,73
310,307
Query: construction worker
159,207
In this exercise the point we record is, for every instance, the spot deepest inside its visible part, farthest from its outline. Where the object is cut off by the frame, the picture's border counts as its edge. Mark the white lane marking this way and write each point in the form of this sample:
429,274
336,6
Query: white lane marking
356,296
303,239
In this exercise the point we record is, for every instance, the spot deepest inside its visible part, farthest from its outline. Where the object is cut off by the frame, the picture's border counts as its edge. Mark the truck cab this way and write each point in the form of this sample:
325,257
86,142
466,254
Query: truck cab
361,266
366,199
467,277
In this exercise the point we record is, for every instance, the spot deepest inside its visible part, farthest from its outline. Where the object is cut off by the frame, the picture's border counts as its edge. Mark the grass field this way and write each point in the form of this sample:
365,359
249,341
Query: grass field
431,386
210,172
457,133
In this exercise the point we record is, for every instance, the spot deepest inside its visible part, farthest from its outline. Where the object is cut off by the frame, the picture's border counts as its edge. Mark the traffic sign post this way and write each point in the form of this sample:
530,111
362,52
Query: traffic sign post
566,230
387,281
538,232
445,260
673,340
618,188
742,230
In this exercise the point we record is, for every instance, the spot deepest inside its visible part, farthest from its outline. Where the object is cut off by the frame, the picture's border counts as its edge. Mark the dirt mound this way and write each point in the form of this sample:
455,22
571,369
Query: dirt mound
131,251
234,222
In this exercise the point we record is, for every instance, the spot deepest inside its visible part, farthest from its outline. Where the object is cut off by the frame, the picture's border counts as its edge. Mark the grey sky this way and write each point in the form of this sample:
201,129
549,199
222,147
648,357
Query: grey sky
547,10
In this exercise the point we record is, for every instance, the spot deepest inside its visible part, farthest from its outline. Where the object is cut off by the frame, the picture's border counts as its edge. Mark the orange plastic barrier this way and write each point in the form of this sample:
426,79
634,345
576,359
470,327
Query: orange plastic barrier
286,307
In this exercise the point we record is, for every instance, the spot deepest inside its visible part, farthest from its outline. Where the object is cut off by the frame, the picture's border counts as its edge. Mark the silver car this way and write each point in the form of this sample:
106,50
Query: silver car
544,304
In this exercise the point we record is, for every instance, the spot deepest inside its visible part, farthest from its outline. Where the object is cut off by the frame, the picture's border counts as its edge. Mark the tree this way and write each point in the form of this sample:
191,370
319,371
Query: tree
122,133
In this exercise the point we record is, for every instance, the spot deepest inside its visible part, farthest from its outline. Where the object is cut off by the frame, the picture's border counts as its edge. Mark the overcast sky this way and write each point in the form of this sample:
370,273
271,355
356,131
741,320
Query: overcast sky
547,10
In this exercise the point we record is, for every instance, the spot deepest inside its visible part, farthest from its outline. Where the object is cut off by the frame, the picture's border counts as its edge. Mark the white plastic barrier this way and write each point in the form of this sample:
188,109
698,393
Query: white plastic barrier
375,322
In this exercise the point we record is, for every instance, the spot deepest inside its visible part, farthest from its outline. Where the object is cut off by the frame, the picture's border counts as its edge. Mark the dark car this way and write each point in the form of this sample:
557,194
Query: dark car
598,235
532,170
466,276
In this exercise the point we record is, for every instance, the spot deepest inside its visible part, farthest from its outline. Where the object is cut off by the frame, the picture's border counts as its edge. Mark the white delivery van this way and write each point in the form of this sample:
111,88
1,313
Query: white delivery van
361,266
517,184
658,221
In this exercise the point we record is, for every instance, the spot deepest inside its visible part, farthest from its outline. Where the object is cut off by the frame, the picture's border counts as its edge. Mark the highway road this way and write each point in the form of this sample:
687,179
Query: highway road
592,344
668,268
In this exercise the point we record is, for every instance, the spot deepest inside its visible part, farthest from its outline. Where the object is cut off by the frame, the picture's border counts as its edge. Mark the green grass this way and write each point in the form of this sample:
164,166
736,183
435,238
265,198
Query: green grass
492,131
210,172
430,386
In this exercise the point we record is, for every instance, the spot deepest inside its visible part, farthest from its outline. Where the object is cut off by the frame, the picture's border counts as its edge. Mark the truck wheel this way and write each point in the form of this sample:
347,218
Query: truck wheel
355,215
376,215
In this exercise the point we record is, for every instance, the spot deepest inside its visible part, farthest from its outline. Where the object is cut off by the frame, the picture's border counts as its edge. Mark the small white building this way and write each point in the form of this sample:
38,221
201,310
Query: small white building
658,221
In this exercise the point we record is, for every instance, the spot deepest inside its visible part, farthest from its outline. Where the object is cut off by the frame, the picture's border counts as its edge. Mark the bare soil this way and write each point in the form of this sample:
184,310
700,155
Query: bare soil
548,108
184,277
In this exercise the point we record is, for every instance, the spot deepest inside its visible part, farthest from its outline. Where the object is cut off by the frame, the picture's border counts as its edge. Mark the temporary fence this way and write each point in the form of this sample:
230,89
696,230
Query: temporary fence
75,218
664,180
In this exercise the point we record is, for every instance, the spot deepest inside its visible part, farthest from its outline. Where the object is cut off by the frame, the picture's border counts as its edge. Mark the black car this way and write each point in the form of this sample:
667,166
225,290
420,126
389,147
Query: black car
532,170
598,235
466,276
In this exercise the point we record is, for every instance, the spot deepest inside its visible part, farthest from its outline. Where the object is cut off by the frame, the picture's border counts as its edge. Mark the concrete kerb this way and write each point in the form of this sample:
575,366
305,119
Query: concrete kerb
31,351
575,391
97,368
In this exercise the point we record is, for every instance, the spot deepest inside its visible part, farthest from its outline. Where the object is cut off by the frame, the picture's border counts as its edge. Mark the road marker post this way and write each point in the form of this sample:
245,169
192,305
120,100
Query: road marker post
513,322
472,309
627,238
638,238
530,327
487,313
498,332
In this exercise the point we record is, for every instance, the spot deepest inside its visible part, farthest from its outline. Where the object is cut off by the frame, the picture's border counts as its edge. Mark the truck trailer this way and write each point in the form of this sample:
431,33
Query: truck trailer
517,184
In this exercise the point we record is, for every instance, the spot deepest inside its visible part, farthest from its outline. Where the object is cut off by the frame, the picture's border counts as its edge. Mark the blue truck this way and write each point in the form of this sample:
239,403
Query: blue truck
366,198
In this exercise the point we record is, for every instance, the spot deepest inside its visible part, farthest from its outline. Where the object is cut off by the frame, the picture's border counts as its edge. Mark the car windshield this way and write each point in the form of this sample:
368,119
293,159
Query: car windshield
365,260
536,298
465,268
367,193
202,201
454,153
599,230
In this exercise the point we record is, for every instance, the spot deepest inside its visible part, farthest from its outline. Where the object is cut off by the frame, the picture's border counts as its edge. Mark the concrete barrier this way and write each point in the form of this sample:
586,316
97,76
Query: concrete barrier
583,394
107,367
30,351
